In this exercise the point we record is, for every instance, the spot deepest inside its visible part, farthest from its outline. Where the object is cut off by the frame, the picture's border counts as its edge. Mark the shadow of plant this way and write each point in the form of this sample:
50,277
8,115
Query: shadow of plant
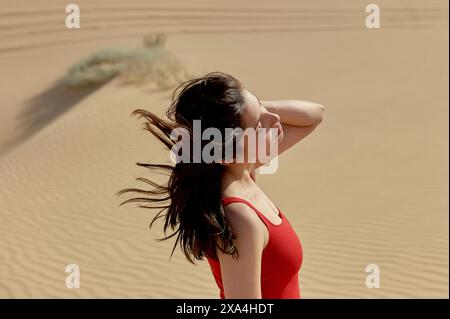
151,66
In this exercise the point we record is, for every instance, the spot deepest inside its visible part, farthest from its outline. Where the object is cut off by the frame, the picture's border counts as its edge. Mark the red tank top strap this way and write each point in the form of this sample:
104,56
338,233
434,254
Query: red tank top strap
233,199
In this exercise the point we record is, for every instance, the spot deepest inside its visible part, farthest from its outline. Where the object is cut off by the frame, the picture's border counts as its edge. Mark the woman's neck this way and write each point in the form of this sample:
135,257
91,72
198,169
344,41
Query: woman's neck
237,179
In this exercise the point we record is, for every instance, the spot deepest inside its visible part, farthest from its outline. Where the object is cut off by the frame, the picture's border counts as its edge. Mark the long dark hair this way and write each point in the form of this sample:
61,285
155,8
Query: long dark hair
194,189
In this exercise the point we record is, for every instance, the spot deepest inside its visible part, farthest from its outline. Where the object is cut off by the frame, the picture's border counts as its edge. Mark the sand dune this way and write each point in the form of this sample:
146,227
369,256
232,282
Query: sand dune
119,20
369,186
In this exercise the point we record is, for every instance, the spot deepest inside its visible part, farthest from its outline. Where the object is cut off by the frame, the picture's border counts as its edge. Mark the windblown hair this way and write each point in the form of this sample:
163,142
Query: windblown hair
194,189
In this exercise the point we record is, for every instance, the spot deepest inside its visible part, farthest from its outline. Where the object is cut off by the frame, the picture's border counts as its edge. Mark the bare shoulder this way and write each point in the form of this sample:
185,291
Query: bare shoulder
246,225
241,215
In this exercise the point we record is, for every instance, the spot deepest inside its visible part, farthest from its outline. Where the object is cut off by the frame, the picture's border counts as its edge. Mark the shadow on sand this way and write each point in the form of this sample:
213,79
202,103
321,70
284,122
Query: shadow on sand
44,108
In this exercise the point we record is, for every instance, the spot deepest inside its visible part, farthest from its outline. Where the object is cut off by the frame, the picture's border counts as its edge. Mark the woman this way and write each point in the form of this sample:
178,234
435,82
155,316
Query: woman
218,209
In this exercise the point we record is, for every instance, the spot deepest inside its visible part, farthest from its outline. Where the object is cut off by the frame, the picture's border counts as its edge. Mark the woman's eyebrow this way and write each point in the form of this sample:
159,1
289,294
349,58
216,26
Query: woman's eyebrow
259,118
258,100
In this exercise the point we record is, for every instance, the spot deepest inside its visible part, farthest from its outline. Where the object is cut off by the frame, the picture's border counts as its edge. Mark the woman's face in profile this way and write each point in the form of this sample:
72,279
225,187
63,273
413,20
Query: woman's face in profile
256,122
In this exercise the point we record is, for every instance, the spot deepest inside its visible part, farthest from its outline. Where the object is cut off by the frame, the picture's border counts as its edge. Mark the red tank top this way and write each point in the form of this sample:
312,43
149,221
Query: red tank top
281,259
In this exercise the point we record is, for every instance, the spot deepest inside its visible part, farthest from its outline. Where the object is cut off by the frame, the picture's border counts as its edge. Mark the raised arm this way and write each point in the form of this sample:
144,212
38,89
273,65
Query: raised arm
298,119
296,112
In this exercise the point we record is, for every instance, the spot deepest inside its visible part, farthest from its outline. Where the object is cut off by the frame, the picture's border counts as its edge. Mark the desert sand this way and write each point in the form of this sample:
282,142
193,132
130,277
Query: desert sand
370,185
